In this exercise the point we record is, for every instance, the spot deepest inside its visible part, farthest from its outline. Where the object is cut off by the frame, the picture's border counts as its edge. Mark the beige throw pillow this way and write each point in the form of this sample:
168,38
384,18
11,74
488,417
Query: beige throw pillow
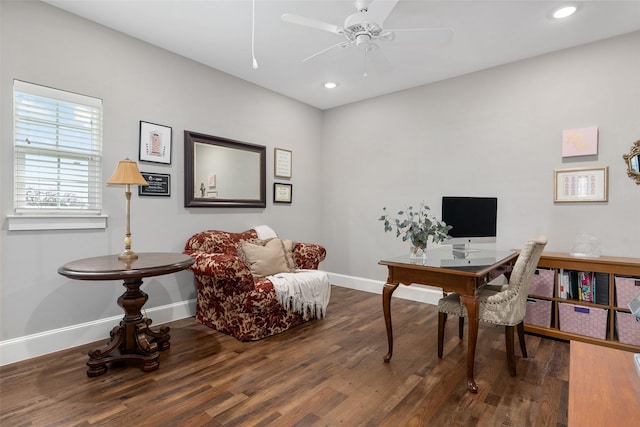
264,258
288,253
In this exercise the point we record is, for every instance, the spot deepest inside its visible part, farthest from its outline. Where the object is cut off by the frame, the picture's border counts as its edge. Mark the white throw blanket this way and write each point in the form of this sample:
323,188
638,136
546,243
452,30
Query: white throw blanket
306,291
265,232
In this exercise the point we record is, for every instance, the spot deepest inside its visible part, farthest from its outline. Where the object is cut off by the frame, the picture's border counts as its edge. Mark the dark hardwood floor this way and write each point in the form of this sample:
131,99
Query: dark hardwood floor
324,373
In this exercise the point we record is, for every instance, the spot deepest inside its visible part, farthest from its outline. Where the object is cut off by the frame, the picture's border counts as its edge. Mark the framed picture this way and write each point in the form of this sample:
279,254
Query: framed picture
155,143
159,184
581,184
282,192
282,163
580,142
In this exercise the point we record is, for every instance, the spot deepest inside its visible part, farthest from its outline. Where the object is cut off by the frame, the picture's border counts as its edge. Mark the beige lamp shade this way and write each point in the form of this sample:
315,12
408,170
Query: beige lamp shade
127,173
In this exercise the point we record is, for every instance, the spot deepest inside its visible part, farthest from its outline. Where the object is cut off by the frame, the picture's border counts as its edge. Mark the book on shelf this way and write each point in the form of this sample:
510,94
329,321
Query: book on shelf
573,285
602,288
584,286
563,283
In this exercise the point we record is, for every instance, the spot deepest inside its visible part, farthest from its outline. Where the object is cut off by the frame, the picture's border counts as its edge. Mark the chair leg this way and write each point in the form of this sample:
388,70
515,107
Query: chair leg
442,319
511,358
460,327
523,344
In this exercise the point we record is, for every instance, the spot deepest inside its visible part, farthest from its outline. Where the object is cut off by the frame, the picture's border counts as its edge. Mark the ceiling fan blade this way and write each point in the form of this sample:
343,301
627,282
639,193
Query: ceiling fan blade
386,36
378,10
312,23
341,44
422,36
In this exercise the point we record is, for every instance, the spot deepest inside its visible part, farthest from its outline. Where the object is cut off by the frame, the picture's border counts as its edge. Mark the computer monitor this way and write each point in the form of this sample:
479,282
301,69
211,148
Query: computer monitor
474,220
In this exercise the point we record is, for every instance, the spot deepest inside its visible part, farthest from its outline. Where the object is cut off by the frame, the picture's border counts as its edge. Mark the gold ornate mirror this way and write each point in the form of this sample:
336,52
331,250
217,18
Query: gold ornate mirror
633,162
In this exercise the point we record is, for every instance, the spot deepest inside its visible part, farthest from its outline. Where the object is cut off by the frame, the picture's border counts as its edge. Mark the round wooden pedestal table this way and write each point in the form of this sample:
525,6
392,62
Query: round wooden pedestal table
133,339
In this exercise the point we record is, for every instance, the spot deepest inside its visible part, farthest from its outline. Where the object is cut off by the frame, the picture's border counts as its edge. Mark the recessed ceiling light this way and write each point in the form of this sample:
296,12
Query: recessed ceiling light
330,85
564,12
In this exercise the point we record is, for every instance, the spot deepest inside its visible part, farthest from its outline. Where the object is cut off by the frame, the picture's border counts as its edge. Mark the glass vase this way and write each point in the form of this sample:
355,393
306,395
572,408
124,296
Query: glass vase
418,255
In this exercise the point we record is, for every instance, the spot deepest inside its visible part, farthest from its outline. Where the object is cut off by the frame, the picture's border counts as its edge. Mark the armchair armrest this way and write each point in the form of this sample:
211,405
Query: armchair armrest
222,268
309,255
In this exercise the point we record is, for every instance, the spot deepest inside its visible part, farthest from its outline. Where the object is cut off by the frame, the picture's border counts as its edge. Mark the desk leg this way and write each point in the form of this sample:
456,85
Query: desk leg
132,339
471,303
387,291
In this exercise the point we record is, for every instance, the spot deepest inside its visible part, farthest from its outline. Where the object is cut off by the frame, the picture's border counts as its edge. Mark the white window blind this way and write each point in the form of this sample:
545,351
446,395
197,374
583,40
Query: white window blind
58,151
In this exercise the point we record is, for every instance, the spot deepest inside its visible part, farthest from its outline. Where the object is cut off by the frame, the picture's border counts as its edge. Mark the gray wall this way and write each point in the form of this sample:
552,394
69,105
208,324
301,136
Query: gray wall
491,133
137,81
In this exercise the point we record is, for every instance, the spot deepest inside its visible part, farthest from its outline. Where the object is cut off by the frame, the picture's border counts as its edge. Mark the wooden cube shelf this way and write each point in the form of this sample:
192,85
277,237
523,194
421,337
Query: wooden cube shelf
613,267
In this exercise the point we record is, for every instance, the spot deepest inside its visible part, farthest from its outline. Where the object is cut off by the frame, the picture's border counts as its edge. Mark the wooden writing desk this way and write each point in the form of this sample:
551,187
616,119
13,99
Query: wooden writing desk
133,339
604,387
461,273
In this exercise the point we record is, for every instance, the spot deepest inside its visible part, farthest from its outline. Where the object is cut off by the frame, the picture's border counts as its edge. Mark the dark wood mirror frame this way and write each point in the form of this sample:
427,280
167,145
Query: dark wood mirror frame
191,139
633,162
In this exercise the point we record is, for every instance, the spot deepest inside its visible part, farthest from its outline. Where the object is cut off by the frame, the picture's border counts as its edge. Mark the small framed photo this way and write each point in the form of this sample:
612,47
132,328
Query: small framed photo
282,192
155,143
159,184
282,163
581,185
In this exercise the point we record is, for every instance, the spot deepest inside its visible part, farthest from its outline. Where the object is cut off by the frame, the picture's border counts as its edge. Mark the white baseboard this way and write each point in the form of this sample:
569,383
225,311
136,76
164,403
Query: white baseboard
27,347
415,292
22,348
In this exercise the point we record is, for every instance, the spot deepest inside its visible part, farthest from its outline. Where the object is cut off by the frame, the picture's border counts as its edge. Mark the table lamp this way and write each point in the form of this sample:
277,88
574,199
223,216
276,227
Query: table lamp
127,173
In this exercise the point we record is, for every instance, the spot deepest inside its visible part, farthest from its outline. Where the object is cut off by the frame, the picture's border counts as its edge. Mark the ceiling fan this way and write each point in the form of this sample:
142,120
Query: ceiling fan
364,29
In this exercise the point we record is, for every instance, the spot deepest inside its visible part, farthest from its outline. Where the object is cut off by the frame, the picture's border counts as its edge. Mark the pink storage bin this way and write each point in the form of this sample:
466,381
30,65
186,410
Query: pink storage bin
626,289
588,321
538,312
542,283
628,328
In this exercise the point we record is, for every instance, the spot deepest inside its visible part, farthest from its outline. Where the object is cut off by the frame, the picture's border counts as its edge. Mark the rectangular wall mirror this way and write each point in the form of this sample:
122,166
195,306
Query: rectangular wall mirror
221,172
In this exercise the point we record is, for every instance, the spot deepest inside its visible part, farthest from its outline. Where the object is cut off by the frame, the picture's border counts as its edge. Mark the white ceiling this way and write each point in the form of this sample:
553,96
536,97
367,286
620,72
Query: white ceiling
486,34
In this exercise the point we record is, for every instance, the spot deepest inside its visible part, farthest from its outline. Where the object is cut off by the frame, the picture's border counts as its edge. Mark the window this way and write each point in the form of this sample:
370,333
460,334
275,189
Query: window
58,152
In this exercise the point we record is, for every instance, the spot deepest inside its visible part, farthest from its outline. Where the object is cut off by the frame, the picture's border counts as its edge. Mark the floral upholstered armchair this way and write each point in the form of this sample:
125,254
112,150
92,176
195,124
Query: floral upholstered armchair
233,296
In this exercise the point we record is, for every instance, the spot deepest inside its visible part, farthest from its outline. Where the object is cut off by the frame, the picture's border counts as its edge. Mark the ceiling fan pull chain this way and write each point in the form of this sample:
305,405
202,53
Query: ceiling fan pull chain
366,52
253,35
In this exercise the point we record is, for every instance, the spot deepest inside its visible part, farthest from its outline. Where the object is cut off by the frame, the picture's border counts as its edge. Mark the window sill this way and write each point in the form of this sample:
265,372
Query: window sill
57,222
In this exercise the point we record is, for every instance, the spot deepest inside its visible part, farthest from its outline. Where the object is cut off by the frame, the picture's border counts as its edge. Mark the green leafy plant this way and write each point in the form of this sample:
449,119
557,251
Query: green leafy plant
416,226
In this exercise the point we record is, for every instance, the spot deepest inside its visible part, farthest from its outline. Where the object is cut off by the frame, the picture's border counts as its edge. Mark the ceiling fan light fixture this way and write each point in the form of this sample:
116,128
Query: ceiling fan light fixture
564,11
363,39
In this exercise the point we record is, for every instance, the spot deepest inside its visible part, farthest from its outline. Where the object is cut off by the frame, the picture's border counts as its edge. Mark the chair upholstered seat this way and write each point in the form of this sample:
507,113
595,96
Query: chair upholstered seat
506,305
491,305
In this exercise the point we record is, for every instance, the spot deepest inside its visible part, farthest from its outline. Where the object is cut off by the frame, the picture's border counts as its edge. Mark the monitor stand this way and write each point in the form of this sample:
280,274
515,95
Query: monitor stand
462,250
